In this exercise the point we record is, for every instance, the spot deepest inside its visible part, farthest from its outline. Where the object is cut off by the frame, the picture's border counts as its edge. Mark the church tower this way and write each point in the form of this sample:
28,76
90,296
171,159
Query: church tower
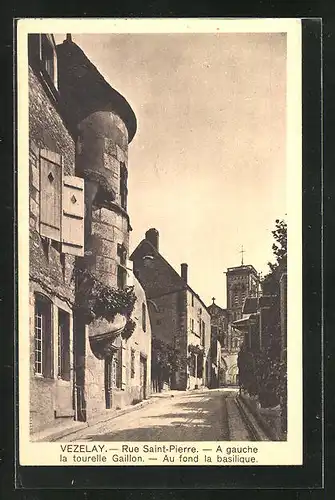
242,282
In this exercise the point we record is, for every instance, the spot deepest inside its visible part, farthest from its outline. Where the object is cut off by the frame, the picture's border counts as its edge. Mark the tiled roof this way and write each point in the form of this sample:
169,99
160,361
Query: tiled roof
250,305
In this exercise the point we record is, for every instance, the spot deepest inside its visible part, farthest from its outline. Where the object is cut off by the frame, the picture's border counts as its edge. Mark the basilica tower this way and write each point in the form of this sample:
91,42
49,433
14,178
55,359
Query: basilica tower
242,282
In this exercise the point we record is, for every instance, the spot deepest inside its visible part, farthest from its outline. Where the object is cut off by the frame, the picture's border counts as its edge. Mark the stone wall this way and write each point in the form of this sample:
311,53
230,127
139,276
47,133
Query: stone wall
46,127
140,342
50,274
196,311
231,373
129,391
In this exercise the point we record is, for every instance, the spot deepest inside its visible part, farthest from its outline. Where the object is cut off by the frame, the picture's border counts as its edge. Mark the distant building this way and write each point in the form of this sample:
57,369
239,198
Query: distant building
219,341
79,131
242,282
180,320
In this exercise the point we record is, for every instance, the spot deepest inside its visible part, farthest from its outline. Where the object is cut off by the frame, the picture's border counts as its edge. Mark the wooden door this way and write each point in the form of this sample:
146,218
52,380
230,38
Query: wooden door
143,377
108,382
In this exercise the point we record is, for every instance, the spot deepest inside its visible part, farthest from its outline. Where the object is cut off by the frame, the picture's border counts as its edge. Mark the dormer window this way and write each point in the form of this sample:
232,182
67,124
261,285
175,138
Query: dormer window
47,57
42,55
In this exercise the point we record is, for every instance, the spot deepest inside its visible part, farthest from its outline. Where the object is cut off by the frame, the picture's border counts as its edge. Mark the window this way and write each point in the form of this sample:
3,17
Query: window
122,254
132,363
43,337
119,369
63,345
158,322
144,317
121,270
61,204
192,300
123,185
116,369
42,55
203,330
48,57
121,277
192,325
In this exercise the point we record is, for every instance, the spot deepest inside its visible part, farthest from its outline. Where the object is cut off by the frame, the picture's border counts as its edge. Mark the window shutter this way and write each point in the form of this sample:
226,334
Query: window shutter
123,367
130,274
73,216
50,194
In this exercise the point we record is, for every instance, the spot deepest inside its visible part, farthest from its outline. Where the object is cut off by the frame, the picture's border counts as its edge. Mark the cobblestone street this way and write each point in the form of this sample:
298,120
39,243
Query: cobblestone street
205,415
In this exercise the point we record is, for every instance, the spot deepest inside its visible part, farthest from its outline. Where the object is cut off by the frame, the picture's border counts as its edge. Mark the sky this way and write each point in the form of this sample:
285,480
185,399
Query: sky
207,166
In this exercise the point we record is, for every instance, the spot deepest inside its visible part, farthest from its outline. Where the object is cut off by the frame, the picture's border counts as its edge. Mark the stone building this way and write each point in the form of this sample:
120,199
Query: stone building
89,330
219,340
180,320
242,282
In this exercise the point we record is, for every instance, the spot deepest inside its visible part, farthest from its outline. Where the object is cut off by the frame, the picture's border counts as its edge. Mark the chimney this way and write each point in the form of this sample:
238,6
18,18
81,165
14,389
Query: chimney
152,235
183,271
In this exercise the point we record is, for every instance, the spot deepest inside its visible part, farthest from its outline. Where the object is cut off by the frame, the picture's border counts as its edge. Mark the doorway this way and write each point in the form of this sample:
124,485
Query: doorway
143,377
110,378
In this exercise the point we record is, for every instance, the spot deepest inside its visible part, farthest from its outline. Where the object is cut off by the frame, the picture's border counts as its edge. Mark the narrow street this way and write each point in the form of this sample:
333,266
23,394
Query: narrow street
204,415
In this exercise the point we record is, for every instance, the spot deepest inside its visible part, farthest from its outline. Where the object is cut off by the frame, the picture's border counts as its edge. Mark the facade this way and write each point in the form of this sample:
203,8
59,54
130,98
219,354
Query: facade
219,341
88,354
242,282
180,320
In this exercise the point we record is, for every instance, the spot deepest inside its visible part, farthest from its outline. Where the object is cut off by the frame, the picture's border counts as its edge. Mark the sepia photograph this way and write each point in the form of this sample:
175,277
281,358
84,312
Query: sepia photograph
159,226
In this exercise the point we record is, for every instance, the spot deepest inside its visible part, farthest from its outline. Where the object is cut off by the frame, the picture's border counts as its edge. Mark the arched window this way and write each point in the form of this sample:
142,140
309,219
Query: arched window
144,317
43,337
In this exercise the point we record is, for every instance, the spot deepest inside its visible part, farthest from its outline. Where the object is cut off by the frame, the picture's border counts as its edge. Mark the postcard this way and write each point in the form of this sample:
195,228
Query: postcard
159,242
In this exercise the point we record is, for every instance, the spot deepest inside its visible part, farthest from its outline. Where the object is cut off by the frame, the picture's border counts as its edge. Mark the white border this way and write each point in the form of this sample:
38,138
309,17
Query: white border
270,453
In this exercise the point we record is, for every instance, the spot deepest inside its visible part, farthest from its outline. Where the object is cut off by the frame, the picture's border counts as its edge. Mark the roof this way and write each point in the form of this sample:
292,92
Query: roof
214,307
250,305
237,269
83,87
242,324
253,304
213,304
184,286
267,300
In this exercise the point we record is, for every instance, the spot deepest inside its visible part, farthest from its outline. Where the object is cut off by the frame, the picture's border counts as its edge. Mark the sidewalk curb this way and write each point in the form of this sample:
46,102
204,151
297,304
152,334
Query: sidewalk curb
76,427
55,435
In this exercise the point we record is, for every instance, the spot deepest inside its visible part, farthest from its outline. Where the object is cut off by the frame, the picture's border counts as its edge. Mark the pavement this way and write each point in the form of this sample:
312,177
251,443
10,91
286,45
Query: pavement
173,416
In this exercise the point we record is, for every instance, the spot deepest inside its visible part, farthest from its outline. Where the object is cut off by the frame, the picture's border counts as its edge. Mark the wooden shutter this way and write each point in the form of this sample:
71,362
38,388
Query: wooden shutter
50,194
73,216
130,274
123,366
